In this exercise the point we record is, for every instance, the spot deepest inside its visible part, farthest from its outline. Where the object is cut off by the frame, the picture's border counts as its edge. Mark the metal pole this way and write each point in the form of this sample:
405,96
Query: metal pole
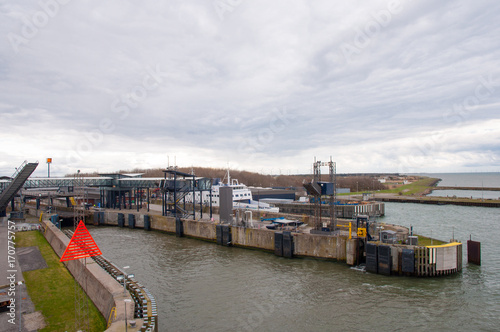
211,202
194,199
126,328
201,204
163,196
175,194
20,283
126,323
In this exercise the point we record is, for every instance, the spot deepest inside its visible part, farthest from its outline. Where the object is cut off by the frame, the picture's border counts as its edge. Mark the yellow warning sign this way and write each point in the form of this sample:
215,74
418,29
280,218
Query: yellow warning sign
361,232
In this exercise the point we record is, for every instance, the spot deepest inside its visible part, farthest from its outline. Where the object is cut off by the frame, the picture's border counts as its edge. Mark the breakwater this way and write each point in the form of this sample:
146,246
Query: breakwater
388,258
465,188
439,201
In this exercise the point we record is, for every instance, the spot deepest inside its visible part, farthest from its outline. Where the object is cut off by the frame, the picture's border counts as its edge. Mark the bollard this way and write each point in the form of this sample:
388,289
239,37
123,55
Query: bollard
131,220
96,218
287,244
278,244
179,228
147,223
121,220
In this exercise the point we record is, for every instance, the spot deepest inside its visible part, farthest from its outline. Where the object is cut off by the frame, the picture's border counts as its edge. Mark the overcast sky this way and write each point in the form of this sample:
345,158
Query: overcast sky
381,86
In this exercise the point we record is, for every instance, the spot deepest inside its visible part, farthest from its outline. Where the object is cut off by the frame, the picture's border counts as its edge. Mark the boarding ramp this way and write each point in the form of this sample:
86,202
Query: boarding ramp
22,173
313,188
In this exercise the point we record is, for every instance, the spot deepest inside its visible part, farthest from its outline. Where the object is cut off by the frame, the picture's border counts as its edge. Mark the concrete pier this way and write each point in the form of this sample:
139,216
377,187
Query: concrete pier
106,293
427,261
299,244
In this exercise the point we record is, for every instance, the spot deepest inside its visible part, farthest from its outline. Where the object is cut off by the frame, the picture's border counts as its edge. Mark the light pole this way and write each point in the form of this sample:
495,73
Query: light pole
126,301
20,283
49,161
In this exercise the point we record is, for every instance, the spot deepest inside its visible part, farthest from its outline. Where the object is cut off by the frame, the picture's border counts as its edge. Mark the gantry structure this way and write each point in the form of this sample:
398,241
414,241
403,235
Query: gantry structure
319,189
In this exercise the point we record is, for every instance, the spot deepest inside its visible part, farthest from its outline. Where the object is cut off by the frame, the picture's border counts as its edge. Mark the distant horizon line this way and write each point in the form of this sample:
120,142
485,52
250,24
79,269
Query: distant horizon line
310,174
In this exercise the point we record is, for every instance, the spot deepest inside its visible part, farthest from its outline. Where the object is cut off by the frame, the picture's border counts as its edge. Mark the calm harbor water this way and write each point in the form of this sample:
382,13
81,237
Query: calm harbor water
202,286
487,179
478,180
477,194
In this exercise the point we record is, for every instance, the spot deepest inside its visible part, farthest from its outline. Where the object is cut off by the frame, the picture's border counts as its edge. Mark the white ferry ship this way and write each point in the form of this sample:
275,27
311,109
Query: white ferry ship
242,196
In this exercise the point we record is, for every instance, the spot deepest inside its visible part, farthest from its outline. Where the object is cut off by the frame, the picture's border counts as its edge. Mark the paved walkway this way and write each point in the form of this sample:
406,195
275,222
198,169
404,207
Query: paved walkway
13,273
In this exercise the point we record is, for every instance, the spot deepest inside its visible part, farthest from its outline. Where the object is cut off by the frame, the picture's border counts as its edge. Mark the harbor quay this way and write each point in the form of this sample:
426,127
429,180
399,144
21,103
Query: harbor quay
331,229
347,210
395,253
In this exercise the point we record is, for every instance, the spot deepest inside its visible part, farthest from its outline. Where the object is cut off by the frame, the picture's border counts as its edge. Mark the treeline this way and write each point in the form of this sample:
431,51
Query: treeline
354,183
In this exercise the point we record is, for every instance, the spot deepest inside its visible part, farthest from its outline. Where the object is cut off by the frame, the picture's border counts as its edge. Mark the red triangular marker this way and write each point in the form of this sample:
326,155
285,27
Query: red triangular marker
81,245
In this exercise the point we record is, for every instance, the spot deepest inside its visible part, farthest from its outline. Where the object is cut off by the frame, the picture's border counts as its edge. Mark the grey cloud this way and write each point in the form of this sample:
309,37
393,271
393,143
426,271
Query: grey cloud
220,78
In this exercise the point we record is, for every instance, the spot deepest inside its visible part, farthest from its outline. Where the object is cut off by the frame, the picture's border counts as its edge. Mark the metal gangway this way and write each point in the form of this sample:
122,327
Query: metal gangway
19,177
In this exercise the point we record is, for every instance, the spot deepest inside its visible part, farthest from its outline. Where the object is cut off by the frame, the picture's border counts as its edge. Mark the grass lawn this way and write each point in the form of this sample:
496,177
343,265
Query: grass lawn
416,187
425,241
52,290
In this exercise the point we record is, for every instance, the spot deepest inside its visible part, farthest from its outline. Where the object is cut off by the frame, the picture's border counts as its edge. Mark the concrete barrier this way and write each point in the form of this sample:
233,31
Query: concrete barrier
104,291
199,229
319,246
351,251
306,245
253,238
164,224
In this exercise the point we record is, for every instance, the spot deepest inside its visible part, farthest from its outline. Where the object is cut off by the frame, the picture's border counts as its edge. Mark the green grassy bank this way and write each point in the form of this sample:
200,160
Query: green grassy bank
52,289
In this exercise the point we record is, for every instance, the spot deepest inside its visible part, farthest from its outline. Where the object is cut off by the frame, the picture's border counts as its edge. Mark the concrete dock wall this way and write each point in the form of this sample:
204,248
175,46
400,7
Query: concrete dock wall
253,238
315,246
305,245
198,229
165,224
341,211
102,289
420,261
430,261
